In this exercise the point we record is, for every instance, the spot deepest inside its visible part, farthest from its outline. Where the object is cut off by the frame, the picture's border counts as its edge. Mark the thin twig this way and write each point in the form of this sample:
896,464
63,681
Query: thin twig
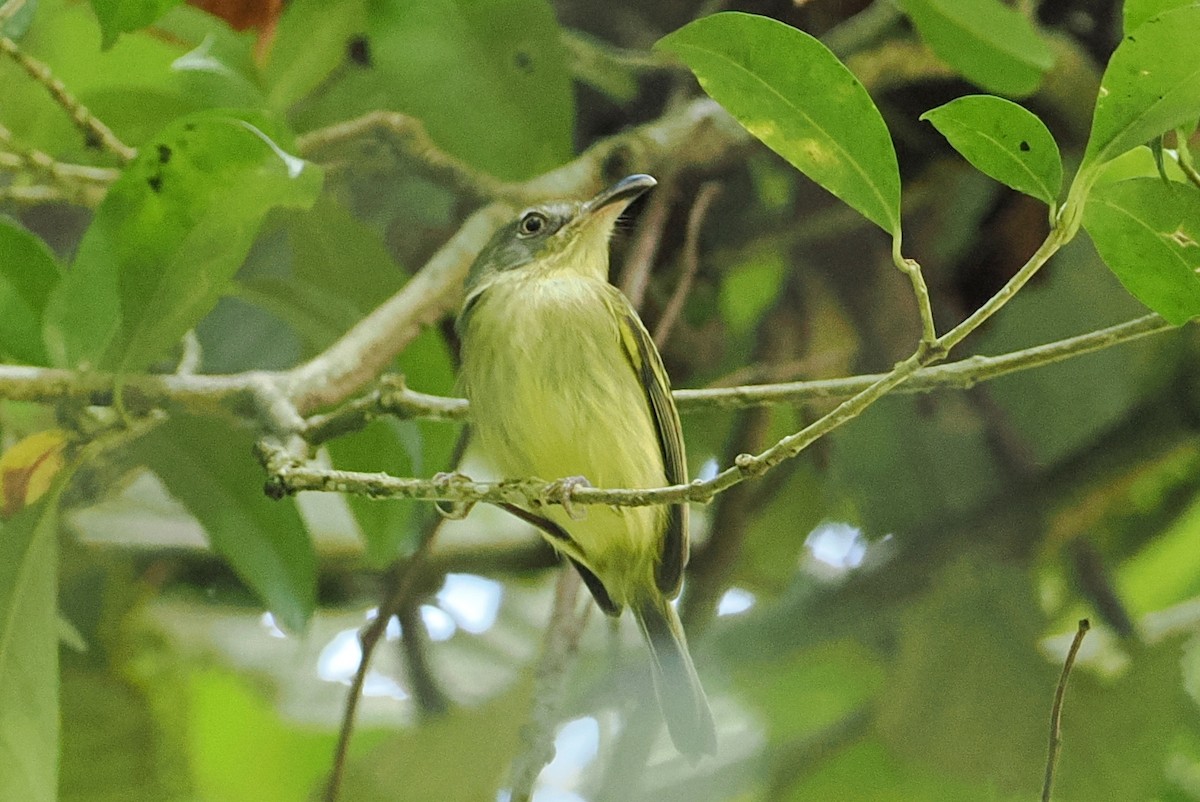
399,587
1056,710
559,647
62,173
1190,171
88,195
94,131
635,274
404,580
691,261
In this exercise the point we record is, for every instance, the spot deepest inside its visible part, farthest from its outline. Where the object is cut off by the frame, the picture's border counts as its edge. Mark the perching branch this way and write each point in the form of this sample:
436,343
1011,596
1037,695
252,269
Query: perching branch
291,477
691,261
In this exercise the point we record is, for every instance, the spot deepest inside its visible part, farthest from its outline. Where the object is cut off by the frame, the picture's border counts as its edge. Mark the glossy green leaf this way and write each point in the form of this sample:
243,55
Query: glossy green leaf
207,464
122,16
1151,85
990,43
1138,11
220,70
791,92
511,112
168,238
29,725
1148,233
1139,163
1004,141
28,272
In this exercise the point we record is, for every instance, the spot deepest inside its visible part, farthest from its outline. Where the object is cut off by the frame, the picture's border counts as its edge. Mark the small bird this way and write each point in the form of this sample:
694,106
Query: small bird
565,383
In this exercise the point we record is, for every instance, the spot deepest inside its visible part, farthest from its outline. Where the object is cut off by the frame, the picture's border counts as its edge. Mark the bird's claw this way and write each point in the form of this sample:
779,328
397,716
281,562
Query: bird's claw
452,510
567,487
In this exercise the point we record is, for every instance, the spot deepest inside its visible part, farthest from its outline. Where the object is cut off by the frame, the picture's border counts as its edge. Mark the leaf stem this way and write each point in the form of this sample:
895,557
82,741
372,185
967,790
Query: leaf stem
912,269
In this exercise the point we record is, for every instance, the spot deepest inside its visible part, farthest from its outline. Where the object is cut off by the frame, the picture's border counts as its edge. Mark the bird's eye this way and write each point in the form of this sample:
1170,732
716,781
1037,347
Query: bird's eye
532,223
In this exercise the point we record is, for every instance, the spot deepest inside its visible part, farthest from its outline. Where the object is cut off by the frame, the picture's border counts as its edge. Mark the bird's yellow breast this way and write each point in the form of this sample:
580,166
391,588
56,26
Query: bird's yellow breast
553,395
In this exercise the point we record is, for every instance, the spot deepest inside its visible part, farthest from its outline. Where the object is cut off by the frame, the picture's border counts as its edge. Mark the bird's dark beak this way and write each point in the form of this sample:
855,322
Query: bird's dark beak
620,194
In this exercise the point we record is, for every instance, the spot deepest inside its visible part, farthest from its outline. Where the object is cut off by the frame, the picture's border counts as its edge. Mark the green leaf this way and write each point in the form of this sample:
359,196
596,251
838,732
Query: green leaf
29,724
340,270
791,92
1151,85
122,16
1004,141
113,749
801,693
220,71
169,236
488,80
1138,163
904,466
1148,233
1138,11
28,271
207,464
990,43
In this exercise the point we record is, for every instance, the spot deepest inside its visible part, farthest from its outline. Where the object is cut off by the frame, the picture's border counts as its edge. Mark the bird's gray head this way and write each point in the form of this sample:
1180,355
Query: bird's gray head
565,235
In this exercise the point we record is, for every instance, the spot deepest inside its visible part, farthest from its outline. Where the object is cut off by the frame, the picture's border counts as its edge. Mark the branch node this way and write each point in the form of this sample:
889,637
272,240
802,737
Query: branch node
746,463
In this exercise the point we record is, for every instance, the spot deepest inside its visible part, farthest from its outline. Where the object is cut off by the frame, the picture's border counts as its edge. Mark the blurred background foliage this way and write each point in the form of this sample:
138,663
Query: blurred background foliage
883,618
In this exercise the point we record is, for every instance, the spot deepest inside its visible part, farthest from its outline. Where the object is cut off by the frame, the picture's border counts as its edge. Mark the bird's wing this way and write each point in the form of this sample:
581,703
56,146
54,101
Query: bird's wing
647,364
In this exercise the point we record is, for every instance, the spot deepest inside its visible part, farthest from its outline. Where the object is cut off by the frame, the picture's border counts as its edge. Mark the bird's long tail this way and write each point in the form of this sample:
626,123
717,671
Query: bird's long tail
680,695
